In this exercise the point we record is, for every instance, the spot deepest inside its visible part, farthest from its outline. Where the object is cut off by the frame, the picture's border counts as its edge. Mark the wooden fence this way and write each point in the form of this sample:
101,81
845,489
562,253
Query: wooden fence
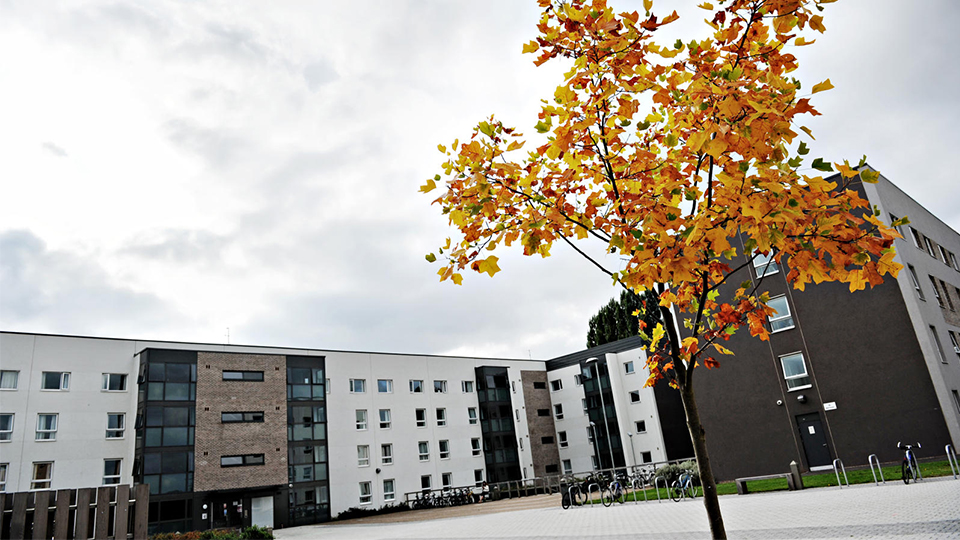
107,512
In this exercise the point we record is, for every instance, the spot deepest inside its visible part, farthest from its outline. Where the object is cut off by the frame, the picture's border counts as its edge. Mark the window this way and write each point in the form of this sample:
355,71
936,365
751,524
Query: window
543,412
539,385
936,341
111,471
358,386
441,417
583,403
932,252
795,372
385,386
546,440
363,455
416,387
478,476
516,413
3,473
954,342
252,376
556,385
513,385
114,382
558,411
589,435
894,219
444,449
169,426
421,418
944,255
244,460
171,472
425,481
361,419
389,490
646,457
567,466
115,425
46,427
562,439
472,415
366,493
782,319
578,379
917,238
8,379
936,291
641,426
42,475
467,387
764,265
475,448
54,380
946,294
628,367
521,443
424,448
594,462
386,454
446,479
385,419
6,427
956,401
634,396
440,387
916,281
242,417
551,468
953,262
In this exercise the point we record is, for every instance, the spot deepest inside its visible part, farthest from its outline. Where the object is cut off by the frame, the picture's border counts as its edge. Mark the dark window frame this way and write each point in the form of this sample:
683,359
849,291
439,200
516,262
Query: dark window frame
245,375
247,460
246,417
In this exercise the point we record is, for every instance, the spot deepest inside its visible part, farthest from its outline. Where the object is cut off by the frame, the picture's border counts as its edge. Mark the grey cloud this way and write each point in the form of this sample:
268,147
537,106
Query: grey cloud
218,147
44,289
54,149
319,73
178,245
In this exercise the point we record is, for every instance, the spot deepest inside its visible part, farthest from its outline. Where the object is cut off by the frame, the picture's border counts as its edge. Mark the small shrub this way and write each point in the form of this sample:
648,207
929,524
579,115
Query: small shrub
256,533
219,534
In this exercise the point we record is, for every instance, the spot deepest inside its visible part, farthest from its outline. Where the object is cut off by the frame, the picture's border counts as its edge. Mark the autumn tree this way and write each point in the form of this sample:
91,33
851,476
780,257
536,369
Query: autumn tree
624,317
662,154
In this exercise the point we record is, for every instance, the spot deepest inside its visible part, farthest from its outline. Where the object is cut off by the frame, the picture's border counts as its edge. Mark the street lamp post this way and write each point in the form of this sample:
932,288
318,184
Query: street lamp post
603,409
633,451
596,448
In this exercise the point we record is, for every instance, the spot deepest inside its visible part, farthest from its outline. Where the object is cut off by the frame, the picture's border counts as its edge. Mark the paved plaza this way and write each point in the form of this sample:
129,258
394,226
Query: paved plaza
929,509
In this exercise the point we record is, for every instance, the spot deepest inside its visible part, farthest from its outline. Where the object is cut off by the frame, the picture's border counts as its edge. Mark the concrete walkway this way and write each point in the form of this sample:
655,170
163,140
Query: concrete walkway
929,509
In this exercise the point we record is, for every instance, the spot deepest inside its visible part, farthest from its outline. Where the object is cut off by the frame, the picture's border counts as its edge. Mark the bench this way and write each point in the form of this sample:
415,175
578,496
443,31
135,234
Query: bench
742,482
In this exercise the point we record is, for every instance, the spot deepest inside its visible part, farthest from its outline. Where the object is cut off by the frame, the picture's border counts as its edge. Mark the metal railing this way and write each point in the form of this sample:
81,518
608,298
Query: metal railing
837,472
870,460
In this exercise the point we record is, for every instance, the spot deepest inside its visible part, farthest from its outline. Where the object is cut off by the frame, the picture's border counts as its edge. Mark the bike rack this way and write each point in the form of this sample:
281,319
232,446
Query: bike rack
838,473
952,460
590,493
656,485
870,460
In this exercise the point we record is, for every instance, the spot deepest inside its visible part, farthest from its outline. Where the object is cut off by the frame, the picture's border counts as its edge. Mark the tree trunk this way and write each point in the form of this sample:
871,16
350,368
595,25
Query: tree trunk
698,437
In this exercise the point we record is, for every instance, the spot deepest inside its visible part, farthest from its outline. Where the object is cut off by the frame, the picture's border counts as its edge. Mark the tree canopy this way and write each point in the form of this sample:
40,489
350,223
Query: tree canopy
616,319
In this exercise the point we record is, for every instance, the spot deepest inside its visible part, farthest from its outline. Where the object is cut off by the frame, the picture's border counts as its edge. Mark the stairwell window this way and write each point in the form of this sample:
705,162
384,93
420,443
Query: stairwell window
795,372
764,265
916,281
782,319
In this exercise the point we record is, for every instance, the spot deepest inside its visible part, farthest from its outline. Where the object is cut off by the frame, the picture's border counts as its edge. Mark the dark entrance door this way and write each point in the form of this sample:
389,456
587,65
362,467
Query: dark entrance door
814,440
228,511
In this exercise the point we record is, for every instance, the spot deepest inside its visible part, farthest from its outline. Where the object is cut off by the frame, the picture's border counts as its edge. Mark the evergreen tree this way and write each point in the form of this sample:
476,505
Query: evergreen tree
616,320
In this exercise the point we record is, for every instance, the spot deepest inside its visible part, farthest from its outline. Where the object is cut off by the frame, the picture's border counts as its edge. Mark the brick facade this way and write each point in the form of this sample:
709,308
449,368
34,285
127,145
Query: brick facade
215,439
536,399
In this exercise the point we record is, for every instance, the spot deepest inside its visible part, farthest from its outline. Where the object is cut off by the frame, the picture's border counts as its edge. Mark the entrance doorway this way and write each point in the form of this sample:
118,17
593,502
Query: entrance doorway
261,511
227,511
814,440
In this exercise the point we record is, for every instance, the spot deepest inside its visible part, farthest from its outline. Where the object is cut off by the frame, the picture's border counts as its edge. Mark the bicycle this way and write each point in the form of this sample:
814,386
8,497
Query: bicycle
683,487
909,468
573,496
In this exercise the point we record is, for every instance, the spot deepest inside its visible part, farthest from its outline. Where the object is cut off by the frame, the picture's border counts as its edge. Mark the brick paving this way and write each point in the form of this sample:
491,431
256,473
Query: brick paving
929,509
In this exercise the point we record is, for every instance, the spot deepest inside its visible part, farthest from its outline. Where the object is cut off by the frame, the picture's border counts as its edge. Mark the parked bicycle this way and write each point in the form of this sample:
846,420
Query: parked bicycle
573,495
615,491
909,468
683,487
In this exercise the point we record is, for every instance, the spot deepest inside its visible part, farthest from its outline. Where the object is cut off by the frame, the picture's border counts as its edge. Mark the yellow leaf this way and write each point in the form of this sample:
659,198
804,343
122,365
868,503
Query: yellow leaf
716,147
808,132
721,349
515,145
647,4
489,265
429,186
658,333
816,22
531,47
825,85
442,148
800,42
457,279
706,5
695,141
869,176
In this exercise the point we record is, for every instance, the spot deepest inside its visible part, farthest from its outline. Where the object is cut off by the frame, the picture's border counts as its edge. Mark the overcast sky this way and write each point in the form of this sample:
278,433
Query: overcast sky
171,169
